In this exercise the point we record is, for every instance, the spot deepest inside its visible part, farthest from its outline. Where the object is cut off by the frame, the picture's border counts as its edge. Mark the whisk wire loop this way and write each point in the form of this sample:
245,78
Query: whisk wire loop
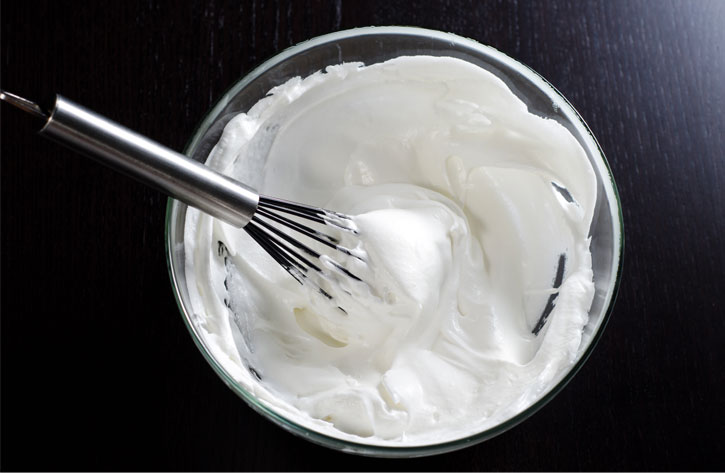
287,250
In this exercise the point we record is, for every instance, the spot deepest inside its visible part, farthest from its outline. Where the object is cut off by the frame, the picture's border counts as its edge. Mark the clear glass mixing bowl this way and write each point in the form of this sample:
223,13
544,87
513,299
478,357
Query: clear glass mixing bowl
372,45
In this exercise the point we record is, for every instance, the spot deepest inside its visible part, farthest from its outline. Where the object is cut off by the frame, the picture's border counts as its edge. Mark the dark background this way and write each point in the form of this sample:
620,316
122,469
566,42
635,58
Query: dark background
98,370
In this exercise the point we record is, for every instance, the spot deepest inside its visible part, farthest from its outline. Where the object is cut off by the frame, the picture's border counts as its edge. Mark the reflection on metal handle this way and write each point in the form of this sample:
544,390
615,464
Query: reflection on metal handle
150,162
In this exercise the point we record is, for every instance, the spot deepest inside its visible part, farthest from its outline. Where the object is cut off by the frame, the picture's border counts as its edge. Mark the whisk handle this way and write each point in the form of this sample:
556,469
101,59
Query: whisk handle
151,163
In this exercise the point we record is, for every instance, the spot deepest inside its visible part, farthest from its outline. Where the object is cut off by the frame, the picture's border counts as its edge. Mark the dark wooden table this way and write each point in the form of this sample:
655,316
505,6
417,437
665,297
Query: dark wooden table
98,370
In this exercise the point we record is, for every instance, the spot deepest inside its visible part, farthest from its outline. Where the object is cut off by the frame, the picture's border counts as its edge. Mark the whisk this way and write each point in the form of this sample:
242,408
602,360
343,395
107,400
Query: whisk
198,186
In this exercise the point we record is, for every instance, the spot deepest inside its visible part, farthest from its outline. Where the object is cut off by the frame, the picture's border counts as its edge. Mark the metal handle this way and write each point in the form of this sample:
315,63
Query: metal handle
150,162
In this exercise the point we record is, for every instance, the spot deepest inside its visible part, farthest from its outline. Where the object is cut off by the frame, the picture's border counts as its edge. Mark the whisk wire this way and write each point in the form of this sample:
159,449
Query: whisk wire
316,214
304,229
288,259
291,261
293,241
292,208
286,249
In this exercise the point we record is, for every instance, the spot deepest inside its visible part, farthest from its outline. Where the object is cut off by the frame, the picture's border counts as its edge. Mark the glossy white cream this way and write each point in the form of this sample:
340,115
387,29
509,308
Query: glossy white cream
464,202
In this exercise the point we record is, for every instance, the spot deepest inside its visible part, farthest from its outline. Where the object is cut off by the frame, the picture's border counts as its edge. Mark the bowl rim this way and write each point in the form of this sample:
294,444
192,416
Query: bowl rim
435,448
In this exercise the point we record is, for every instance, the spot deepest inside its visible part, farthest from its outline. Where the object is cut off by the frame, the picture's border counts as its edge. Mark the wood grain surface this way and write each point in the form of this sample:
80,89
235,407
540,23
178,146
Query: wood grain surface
98,370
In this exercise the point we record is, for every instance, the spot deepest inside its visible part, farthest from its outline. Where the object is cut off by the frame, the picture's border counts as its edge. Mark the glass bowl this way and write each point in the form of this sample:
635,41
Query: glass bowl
372,45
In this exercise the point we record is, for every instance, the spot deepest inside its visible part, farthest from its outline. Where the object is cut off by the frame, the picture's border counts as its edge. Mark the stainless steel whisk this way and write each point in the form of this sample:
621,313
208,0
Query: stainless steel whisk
196,184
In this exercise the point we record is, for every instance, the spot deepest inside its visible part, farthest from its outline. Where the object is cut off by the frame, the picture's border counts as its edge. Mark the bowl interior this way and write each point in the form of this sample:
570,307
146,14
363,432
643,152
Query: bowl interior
373,45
